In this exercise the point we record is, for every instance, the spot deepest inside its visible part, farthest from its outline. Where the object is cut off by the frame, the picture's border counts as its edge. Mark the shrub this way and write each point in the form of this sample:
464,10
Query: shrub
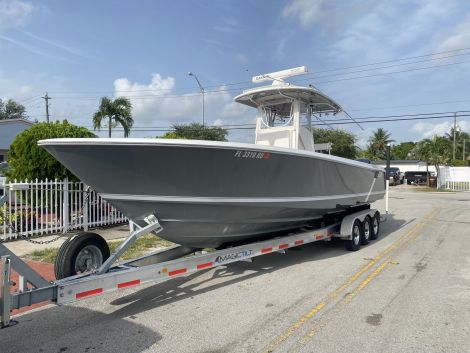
197,131
29,161
459,163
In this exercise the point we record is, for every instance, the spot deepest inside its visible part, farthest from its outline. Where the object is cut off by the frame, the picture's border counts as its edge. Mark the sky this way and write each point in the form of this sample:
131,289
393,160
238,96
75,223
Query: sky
79,51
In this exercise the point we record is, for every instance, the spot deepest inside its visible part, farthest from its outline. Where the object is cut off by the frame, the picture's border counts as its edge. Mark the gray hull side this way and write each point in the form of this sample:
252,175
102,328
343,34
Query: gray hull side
205,196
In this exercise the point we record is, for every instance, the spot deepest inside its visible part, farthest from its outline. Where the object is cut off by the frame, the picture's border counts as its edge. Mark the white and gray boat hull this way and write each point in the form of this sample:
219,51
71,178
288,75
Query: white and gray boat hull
207,194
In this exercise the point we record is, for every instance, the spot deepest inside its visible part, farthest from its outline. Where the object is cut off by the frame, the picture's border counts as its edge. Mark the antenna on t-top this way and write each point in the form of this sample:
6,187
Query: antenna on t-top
279,76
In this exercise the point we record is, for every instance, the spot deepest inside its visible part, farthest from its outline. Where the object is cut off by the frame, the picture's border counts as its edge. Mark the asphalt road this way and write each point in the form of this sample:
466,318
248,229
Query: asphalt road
408,291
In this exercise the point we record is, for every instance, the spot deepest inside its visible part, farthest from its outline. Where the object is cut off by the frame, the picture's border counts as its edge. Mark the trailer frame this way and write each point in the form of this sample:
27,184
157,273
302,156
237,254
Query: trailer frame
159,266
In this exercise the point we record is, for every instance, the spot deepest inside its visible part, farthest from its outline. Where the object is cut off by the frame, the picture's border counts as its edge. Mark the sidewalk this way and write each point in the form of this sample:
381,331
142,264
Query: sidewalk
23,247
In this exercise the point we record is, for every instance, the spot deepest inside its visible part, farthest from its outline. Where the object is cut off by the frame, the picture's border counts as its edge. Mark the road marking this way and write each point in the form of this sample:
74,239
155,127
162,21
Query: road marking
318,307
350,296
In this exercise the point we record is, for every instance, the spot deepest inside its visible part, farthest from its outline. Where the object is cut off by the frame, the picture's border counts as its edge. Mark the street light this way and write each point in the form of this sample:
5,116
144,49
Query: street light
202,92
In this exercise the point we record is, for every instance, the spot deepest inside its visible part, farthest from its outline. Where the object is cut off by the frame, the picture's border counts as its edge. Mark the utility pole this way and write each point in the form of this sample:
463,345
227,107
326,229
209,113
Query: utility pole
463,154
455,130
46,99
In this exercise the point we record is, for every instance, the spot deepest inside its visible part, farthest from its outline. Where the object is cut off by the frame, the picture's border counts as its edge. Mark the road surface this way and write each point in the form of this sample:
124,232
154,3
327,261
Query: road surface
408,291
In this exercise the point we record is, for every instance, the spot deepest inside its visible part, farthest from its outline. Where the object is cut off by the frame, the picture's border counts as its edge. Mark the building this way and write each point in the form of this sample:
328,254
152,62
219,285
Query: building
9,128
406,165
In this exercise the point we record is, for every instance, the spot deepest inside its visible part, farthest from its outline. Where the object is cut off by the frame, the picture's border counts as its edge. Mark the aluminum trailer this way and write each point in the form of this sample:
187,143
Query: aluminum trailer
357,226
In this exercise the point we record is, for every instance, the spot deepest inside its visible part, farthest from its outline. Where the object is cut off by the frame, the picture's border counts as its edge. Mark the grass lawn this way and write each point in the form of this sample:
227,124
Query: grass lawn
143,245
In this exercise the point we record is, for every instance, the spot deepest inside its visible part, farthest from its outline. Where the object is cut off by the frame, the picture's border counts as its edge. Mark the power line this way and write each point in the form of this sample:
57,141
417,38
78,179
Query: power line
22,102
310,74
411,105
223,91
390,118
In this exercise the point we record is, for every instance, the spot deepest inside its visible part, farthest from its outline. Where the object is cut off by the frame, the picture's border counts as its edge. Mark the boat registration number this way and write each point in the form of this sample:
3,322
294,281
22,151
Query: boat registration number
252,154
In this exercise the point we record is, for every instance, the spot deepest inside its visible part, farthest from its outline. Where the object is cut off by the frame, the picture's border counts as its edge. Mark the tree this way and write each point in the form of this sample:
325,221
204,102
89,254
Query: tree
12,110
402,150
29,161
343,142
116,112
197,131
378,144
460,137
436,151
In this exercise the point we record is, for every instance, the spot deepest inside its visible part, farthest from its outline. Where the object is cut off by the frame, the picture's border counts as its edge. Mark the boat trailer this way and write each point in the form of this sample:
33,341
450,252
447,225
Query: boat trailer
356,228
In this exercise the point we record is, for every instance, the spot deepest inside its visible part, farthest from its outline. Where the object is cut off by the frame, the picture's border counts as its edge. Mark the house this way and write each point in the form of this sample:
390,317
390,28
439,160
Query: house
411,165
9,128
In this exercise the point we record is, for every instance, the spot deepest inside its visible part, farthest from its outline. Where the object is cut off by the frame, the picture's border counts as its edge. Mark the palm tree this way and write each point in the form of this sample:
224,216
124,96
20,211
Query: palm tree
460,137
378,144
436,151
117,112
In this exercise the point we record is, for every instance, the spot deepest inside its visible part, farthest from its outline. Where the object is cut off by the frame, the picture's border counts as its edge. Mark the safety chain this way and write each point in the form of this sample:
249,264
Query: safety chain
43,242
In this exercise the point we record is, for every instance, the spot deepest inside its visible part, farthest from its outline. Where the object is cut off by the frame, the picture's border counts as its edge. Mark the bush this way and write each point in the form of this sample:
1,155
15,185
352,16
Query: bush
459,163
29,161
197,131
343,142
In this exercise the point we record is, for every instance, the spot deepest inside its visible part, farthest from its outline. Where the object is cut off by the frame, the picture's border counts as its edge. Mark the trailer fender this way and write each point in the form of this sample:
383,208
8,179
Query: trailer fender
348,222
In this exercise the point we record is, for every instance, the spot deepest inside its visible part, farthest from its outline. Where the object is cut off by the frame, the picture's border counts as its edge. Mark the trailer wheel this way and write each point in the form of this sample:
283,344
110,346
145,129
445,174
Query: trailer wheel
355,242
366,231
375,226
82,253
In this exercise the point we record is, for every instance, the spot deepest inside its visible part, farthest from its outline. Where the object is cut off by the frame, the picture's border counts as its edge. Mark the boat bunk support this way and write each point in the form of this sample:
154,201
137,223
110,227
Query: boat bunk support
152,226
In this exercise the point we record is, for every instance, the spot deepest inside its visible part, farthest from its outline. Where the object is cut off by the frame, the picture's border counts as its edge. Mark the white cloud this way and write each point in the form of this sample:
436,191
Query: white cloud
307,12
14,13
389,29
427,130
363,136
460,38
158,103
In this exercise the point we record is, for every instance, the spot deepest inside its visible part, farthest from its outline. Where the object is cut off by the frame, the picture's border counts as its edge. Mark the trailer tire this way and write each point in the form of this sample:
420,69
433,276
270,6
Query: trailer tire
366,231
354,243
375,226
81,253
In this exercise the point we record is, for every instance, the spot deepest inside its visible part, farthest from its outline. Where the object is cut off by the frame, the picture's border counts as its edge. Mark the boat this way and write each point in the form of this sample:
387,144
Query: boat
207,194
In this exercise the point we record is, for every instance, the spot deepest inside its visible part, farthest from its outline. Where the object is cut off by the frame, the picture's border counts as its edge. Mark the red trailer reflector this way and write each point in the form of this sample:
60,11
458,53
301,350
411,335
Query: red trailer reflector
89,293
177,272
298,242
206,265
264,251
283,246
128,284
319,237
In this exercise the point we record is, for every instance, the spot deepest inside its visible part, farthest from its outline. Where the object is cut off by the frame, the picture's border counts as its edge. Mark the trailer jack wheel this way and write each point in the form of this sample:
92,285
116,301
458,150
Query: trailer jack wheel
82,253
355,242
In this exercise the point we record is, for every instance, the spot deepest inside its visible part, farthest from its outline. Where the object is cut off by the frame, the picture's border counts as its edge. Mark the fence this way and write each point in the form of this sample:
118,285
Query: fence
454,178
50,207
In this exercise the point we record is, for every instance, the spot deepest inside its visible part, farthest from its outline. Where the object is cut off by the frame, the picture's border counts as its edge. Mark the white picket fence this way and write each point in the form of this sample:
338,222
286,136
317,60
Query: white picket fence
51,207
454,178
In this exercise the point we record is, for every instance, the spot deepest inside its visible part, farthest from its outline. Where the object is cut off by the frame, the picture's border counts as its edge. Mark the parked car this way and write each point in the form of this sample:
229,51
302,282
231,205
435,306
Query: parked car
416,177
395,176
363,160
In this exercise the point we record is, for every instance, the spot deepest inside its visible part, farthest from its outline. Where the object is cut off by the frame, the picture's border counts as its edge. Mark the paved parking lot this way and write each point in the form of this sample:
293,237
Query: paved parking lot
409,291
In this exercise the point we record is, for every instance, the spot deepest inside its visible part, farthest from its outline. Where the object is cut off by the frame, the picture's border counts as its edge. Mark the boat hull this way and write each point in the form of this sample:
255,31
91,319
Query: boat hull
207,194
